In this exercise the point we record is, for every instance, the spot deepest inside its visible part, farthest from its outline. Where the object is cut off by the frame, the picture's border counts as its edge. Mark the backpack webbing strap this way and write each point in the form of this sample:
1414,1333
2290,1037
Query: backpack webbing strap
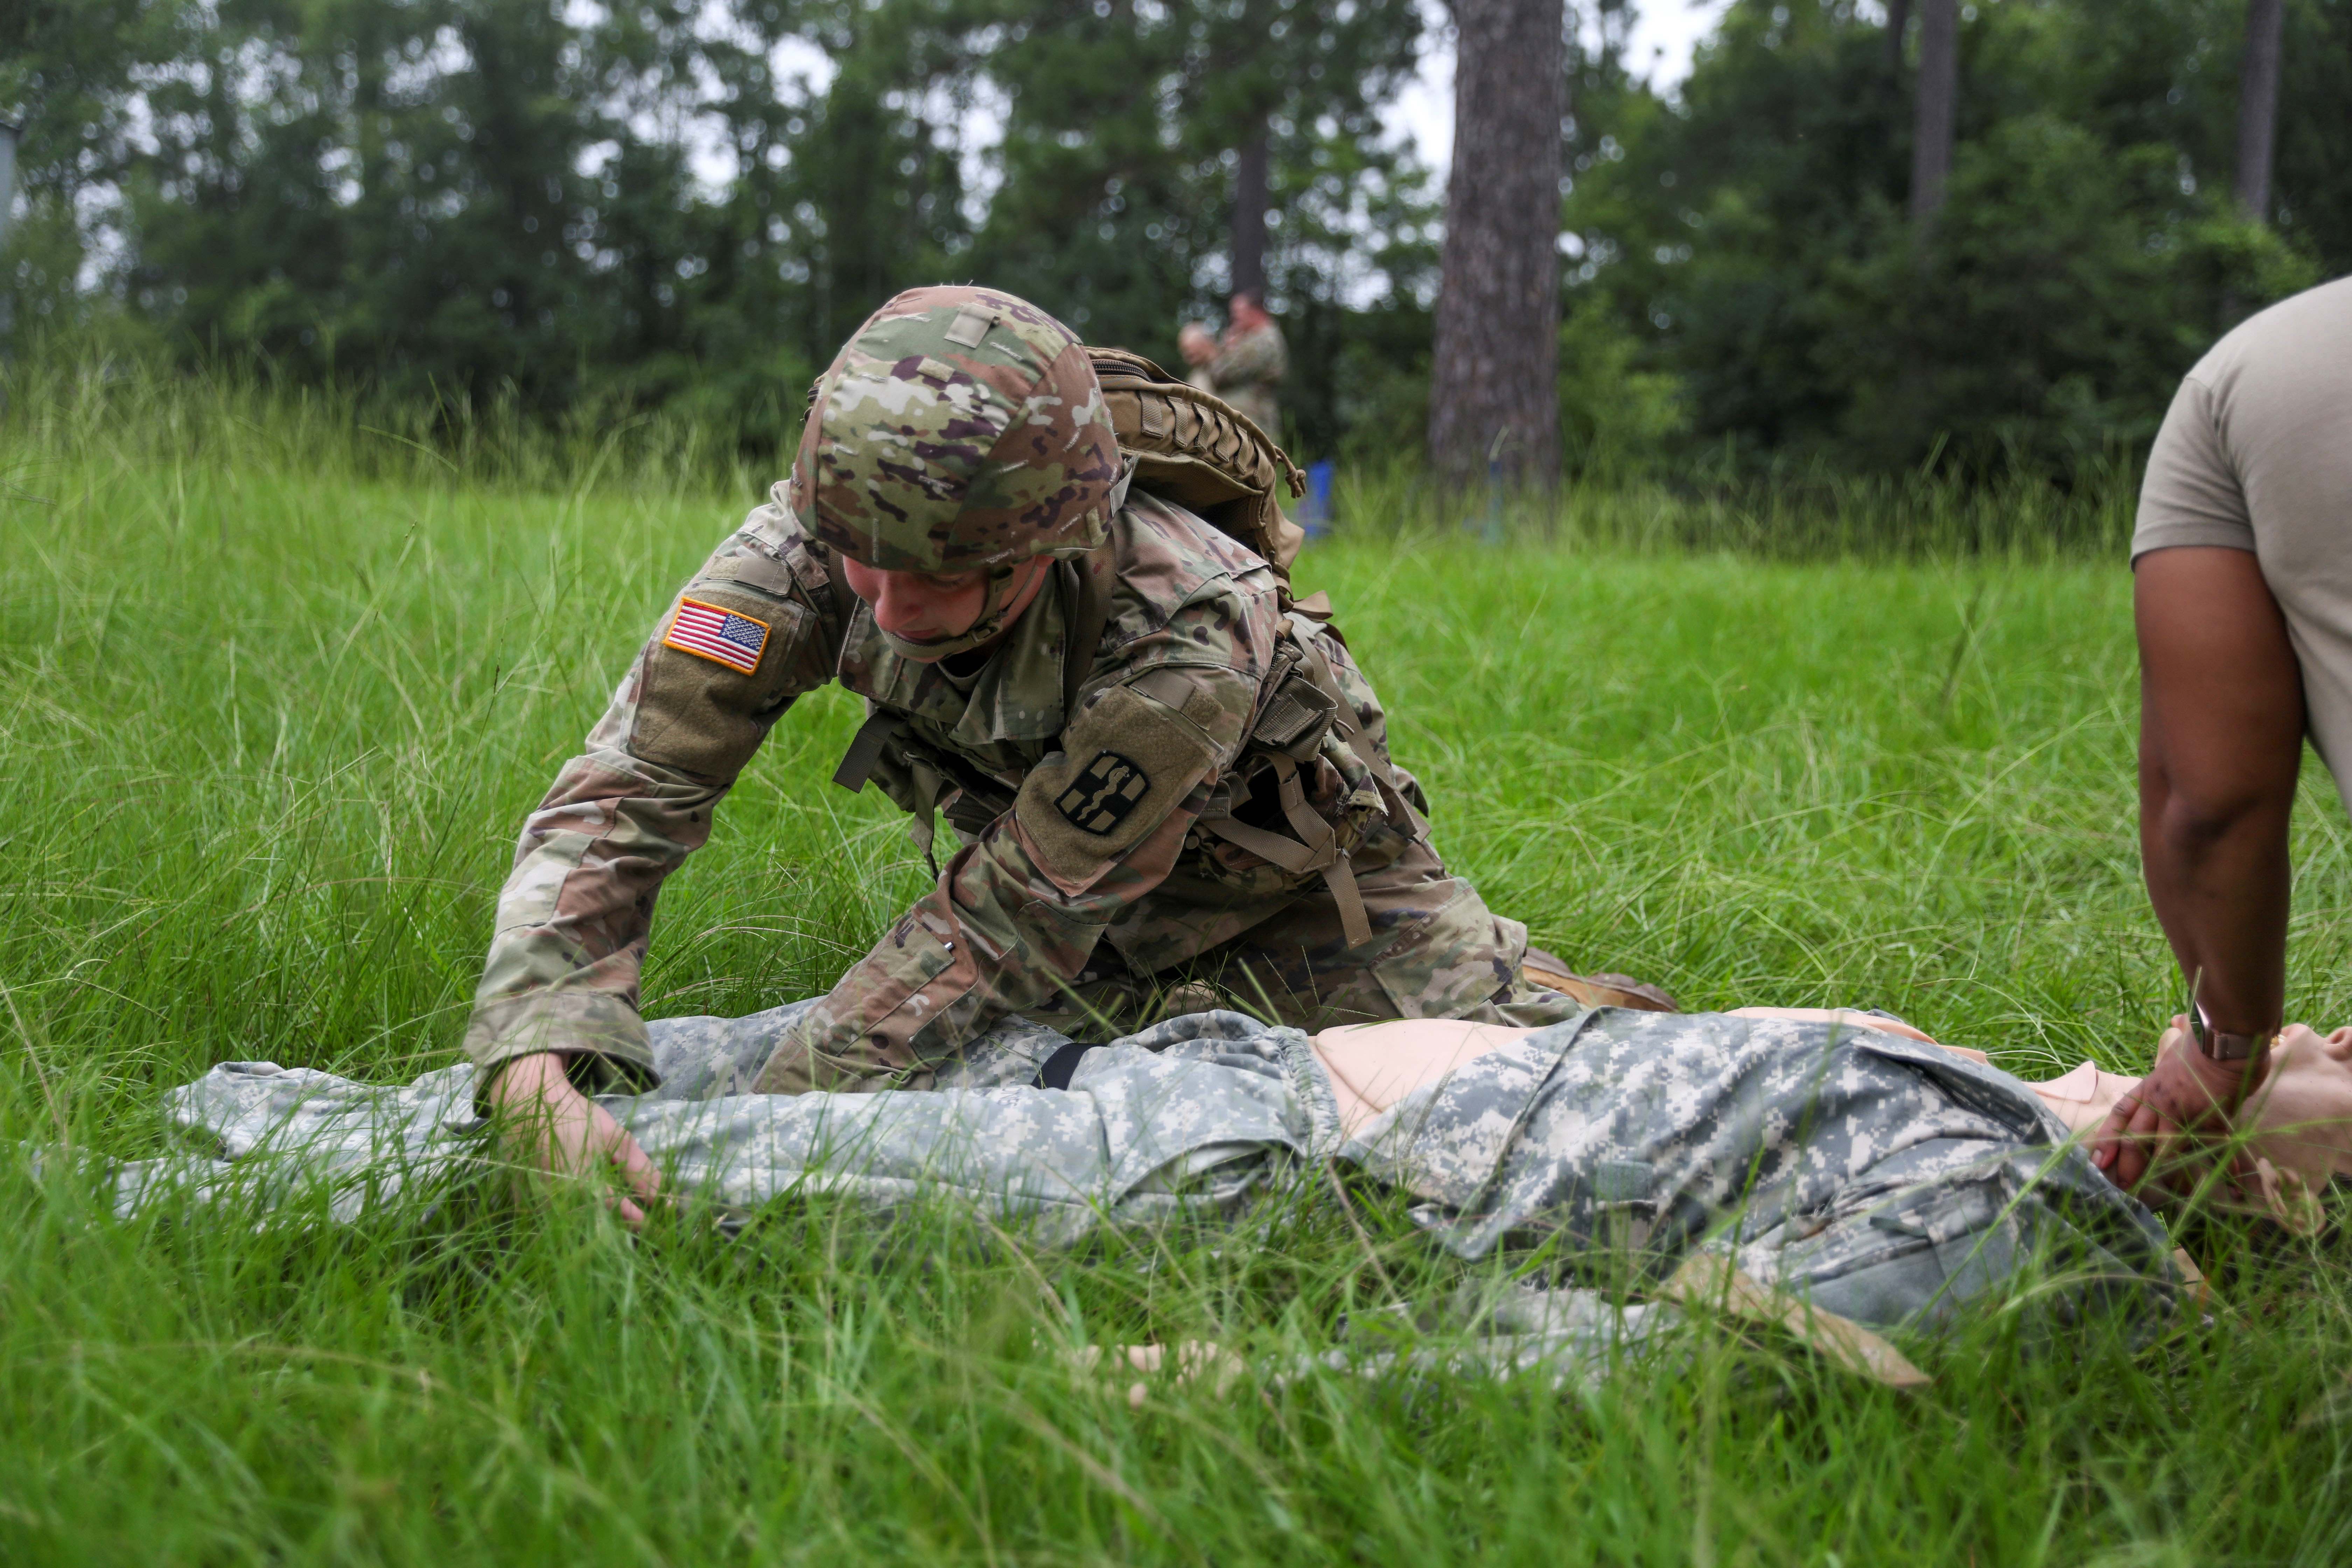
1316,848
1350,723
1089,618
1355,922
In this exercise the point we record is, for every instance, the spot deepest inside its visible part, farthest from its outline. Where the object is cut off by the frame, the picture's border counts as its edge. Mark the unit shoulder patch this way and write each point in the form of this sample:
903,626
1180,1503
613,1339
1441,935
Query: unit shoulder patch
1125,764
1105,791
718,634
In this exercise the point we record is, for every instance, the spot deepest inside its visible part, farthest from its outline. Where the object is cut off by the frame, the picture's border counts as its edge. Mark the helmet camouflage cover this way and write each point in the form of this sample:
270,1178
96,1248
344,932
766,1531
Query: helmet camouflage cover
960,428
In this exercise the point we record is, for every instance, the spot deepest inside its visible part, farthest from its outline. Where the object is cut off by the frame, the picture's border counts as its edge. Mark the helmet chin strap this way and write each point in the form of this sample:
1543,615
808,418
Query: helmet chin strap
987,625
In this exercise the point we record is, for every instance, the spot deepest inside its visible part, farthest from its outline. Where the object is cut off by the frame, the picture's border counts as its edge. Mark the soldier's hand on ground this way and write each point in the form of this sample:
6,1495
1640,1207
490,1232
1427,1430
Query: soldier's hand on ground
552,1127
2187,1099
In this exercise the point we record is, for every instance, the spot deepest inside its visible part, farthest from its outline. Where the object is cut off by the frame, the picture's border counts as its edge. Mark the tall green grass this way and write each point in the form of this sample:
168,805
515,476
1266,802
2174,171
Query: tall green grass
1801,513
275,690
118,411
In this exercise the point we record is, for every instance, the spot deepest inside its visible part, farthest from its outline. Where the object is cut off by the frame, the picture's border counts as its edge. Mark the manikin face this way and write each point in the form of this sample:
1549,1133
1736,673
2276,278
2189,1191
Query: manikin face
2303,1113
925,607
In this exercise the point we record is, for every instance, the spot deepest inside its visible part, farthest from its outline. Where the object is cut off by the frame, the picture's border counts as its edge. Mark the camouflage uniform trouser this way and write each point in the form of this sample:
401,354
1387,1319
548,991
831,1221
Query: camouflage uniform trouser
1437,951
1871,1177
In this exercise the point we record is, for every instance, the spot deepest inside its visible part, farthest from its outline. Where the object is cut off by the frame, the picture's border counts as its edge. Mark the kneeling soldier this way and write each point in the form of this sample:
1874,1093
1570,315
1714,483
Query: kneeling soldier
1170,785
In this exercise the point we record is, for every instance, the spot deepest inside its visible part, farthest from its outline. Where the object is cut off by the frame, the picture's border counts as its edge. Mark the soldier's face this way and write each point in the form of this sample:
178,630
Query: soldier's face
927,606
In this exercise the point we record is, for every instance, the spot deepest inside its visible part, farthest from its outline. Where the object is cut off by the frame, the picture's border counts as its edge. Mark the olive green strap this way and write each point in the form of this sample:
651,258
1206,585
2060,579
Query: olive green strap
1288,853
1354,920
857,763
1297,858
1316,850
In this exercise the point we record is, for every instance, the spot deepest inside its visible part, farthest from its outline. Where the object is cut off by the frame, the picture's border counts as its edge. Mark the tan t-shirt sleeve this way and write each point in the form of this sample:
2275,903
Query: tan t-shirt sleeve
2256,454
2191,494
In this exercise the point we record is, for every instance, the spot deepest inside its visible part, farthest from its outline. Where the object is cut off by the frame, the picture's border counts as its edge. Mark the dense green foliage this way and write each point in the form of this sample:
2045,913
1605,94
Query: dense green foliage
1752,238
674,203
687,205
279,690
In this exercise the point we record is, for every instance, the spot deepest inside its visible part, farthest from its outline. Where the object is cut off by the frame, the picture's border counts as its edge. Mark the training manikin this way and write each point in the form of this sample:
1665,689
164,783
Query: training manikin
1837,1161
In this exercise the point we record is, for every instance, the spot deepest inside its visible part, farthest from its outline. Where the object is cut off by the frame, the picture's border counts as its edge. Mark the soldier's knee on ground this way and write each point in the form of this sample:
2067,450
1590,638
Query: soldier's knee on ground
796,1068
1437,951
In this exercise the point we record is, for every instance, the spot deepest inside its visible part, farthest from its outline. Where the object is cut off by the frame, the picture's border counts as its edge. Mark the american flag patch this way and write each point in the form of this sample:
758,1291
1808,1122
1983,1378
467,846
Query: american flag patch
714,632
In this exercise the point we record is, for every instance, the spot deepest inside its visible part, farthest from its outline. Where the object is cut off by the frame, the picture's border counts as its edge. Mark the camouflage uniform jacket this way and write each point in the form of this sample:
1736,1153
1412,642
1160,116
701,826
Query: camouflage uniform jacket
1074,828
1246,372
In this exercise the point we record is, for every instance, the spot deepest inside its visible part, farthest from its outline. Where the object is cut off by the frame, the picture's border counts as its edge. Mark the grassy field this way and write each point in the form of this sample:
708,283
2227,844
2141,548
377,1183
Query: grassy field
274,696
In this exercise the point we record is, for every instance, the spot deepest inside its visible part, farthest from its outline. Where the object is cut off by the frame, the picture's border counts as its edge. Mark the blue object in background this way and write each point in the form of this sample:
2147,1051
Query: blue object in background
1314,506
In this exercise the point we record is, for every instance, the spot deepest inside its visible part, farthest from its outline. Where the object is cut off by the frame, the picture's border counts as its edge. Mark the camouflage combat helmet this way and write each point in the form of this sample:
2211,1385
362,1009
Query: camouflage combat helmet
960,428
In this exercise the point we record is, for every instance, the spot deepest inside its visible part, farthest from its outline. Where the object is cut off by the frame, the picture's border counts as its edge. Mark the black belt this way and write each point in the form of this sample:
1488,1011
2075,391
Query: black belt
1057,1068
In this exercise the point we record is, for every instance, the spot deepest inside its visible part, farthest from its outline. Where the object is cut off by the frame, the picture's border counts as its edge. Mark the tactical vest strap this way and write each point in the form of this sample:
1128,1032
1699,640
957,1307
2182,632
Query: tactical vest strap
1316,848
1305,701
1355,923
1273,848
1090,618
1350,723
857,763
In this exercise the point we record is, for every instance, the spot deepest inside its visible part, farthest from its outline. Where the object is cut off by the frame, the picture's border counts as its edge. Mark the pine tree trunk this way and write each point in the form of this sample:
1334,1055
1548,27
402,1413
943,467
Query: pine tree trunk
7,208
2258,95
1898,20
1496,381
1936,104
1249,216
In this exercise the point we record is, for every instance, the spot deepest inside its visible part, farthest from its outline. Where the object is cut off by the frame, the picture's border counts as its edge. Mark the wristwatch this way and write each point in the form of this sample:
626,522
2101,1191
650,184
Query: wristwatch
2219,1045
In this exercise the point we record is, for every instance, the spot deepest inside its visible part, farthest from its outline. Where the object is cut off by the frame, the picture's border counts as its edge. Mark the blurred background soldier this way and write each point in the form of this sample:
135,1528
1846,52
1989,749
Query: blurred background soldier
1244,366
1197,342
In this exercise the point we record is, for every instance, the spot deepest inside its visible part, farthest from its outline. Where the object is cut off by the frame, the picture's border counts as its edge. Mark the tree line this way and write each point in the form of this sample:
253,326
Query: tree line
686,204
1995,237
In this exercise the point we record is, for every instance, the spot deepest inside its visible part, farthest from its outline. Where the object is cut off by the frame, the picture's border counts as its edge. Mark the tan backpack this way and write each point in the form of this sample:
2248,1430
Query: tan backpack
1198,450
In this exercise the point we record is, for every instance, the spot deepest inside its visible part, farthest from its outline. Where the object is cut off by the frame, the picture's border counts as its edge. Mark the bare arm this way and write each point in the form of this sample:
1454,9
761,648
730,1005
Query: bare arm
2220,743
2221,722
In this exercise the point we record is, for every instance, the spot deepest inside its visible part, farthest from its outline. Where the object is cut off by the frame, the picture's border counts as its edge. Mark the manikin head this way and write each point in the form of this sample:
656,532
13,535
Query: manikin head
2302,1114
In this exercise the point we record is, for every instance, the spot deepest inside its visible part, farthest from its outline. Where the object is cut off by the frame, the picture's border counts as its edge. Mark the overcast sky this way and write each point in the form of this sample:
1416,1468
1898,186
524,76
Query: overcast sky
1665,32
